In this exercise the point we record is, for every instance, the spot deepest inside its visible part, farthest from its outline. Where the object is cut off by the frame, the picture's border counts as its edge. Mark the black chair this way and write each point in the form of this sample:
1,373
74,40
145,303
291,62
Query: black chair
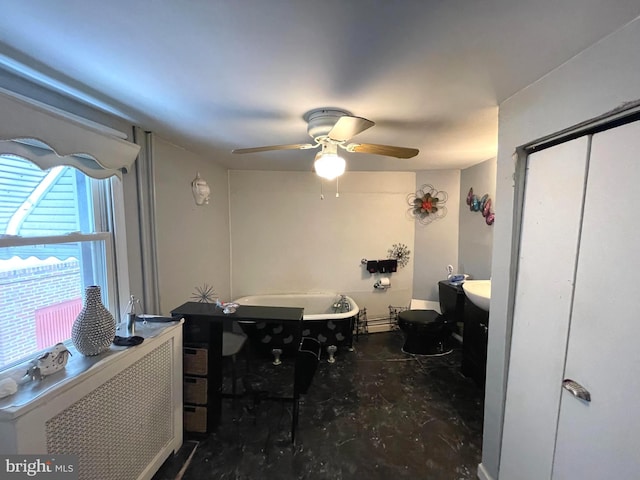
307,360
305,366
232,344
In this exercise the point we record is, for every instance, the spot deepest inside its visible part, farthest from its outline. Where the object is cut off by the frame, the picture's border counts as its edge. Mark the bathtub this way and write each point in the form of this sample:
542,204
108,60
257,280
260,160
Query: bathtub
326,318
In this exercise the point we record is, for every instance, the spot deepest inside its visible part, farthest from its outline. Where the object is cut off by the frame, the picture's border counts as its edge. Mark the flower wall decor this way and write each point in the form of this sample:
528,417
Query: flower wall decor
482,204
427,204
401,253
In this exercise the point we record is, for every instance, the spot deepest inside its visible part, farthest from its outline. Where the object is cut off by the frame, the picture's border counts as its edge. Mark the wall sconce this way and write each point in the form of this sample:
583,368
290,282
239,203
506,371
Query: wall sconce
201,190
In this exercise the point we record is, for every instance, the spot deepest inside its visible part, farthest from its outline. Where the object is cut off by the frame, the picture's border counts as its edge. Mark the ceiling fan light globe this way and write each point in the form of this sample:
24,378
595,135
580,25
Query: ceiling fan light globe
329,165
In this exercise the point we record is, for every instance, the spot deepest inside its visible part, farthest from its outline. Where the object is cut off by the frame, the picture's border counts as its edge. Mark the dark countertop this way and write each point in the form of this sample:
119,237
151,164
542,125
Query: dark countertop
458,287
243,312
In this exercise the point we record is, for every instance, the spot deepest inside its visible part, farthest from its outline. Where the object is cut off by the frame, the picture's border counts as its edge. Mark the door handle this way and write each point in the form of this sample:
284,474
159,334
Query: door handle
576,389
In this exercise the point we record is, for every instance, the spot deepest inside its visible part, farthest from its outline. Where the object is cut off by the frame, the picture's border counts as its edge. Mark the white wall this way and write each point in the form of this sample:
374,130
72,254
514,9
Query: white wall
436,244
476,237
594,82
286,239
192,241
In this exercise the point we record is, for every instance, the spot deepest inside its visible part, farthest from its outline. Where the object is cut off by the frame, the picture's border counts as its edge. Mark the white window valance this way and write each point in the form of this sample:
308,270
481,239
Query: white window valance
49,137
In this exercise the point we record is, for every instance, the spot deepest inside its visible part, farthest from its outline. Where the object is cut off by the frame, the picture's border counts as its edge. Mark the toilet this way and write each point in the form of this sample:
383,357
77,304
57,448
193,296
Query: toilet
427,332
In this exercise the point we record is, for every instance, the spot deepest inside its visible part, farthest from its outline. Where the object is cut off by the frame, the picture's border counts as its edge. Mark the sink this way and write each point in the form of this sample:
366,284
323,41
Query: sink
479,292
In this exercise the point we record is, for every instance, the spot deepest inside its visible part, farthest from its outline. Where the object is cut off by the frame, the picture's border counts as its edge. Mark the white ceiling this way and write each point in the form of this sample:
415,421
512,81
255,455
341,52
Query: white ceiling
216,75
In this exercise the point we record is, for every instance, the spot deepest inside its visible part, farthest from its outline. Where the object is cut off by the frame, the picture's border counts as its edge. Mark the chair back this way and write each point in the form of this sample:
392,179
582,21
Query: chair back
307,360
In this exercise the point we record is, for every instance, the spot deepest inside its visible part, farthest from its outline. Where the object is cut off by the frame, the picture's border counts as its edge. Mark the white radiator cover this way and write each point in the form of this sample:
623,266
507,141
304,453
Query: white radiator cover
122,416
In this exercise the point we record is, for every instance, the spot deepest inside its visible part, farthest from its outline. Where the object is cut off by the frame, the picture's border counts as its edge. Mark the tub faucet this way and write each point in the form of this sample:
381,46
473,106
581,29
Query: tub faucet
342,305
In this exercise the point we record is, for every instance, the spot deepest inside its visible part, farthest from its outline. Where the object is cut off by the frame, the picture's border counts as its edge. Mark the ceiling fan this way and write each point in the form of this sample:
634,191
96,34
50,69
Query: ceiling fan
331,129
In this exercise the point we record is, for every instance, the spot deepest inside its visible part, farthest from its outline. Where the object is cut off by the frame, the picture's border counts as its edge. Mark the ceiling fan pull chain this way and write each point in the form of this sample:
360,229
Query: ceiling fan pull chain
321,194
337,185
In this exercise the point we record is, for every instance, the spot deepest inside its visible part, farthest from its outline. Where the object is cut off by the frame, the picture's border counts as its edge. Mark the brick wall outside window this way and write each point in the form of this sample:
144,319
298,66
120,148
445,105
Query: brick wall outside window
22,292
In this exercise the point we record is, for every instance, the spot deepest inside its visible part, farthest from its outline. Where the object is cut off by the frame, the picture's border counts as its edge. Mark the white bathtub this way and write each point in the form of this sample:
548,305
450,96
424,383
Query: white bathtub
322,320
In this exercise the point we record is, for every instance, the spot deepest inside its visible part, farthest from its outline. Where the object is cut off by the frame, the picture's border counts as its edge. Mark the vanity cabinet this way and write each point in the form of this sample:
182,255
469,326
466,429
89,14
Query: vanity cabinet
474,342
452,304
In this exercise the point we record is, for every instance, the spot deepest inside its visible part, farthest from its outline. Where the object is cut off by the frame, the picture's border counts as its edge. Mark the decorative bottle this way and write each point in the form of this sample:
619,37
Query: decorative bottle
132,311
95,328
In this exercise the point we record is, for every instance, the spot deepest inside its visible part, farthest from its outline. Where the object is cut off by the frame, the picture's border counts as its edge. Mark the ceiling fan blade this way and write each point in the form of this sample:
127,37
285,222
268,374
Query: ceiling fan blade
388,150
348,127
293,146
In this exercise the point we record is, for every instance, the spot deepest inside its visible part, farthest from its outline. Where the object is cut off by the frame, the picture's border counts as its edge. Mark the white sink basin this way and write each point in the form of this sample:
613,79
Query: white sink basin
479,292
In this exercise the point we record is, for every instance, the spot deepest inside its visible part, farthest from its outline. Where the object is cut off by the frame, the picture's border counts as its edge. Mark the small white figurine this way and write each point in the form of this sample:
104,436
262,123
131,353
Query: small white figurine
228,307
201,190
51,362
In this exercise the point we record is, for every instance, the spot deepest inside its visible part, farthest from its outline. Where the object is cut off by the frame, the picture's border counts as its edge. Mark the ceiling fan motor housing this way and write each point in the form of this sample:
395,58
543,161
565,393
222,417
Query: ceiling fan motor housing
321,121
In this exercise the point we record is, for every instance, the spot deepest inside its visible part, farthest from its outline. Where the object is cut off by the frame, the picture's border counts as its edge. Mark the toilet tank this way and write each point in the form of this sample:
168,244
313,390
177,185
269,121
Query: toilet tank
451,301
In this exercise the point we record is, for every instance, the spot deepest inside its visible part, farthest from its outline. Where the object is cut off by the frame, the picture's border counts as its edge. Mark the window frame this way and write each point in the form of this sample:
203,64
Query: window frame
109,217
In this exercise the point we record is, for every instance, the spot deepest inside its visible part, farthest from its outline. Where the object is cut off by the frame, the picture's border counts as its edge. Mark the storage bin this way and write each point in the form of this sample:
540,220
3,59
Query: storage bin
195,419
195,361
195,390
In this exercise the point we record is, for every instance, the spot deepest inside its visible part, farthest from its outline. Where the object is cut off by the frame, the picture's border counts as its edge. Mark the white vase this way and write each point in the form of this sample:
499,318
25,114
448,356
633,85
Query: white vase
94,329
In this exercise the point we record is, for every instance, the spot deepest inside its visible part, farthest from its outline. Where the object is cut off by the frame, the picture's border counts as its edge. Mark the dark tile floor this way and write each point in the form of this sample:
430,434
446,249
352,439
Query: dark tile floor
374,414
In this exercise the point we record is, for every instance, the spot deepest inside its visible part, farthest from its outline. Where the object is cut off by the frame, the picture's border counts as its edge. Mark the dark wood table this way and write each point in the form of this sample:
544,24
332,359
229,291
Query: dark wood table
204,324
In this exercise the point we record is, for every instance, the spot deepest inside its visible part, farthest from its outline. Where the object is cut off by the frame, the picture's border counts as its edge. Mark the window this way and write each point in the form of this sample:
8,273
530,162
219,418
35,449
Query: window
55,240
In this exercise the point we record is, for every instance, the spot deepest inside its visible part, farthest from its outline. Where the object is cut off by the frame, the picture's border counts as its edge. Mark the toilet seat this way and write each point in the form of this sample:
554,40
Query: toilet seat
426,319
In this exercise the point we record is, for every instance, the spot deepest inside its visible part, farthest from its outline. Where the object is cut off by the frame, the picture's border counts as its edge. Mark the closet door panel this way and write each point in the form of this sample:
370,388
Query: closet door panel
599,439
554,193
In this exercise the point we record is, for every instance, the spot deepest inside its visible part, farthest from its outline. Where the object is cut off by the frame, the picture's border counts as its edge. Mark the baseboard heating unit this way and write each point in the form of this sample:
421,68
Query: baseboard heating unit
120,413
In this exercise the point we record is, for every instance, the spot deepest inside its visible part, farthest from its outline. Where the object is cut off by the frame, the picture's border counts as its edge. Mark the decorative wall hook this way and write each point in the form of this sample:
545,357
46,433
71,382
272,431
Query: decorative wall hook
427,204
201,190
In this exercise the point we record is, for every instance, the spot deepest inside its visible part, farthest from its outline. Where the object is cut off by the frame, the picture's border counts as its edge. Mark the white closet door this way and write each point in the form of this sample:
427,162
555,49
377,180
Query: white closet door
599,439
549,238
